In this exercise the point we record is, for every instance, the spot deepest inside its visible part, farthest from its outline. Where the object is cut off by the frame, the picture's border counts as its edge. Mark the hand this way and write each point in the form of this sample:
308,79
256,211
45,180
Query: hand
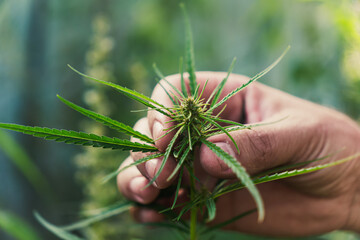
310,204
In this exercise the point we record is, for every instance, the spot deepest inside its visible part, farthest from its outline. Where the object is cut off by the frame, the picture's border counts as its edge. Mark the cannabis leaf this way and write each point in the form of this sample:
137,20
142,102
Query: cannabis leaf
240,173
79,138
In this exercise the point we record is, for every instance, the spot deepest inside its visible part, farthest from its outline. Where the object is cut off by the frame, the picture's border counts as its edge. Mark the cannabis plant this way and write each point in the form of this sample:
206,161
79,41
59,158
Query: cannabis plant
194,122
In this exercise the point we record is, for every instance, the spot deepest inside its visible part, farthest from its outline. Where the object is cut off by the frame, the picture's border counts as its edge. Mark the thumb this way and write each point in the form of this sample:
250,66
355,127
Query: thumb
261,148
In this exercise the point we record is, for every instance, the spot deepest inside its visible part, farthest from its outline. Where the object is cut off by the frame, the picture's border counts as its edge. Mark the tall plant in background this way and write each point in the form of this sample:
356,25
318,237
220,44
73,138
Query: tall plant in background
93,165
193,122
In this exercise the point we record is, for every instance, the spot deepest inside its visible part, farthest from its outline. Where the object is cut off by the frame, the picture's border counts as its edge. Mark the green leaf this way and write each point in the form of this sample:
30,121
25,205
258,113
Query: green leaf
227,121
289,167
108,121
256,77
224,131
167,93
79,138
219,88
137,162
166,156
180,163
247,126
181,70
167,225
211,207
104,214
189,50
129,93
227,222
16,227
23,162
177,188
240,173
162,77
56,230
286,174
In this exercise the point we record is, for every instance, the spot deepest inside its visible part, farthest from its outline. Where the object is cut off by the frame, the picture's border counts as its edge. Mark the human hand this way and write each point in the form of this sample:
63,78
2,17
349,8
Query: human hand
305,205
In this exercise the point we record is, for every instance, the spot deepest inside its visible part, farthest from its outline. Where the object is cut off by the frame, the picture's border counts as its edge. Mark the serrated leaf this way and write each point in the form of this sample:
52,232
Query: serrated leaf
211,208
108,121
256,77
56,230
227,121
104,214
189,50
247,126
162,77
286,174
135,163
167,93
241,174
182,81
129,93
224,131
166,156
219,88
179,164
289,167
79,138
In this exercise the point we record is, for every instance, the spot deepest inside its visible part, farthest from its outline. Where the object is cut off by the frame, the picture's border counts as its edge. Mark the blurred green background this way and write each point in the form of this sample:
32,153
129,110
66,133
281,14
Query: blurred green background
119,41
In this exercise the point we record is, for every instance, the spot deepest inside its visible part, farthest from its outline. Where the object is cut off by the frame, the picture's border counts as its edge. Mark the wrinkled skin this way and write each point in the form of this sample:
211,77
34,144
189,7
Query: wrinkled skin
310,204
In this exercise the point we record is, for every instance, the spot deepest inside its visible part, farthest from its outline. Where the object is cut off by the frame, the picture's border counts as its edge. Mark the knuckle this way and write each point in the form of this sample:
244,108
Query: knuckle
260,146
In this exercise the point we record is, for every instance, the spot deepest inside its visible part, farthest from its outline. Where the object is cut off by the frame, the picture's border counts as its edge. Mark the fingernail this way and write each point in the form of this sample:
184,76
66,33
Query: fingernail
157,130
227,148
150,167
136,187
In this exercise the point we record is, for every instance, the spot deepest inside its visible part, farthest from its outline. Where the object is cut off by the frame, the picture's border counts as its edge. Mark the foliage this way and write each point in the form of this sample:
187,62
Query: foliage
194,123
16,227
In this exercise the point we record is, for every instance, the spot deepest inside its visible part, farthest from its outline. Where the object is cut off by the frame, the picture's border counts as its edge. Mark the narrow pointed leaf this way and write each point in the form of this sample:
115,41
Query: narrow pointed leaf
189,50
227,121
289,167
162,77
224,131
56,230
219,88
167,225
180,163
79,138
108,121
211,207
166,156
256,77
104,214
129,93
236,128
183,86
167,93
177,188
135,163
240,173
286,174
17,154
227,222
16,227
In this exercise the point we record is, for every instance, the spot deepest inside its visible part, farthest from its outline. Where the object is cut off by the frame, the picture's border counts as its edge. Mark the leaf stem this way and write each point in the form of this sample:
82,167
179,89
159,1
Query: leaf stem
194,210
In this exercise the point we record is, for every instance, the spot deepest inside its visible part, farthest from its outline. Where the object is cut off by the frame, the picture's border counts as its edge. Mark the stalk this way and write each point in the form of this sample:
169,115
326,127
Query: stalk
194,210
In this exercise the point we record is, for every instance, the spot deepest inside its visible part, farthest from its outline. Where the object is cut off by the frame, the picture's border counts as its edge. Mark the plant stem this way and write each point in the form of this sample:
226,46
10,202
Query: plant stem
194,210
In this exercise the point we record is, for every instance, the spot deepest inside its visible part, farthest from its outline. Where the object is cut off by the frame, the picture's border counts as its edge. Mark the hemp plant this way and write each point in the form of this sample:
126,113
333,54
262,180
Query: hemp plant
193,123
